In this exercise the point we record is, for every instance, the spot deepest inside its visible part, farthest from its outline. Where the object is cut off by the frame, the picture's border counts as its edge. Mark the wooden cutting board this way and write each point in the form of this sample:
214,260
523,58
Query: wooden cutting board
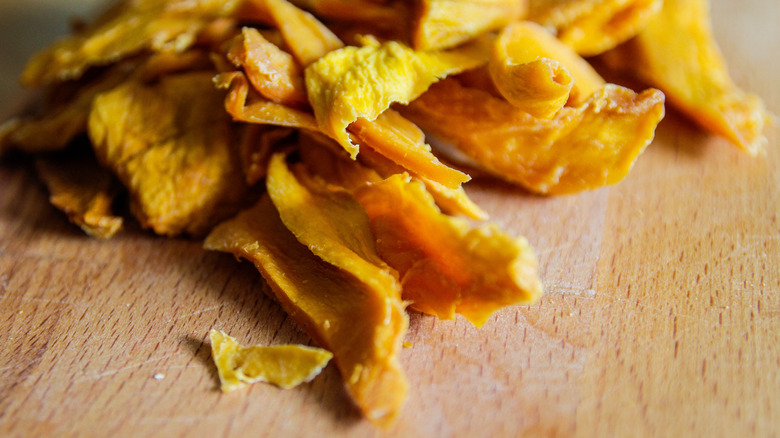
661,317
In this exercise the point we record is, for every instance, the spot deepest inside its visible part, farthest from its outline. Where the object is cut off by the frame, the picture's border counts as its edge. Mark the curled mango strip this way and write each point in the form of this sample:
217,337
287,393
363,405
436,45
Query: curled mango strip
362,82
258,110
677,53
286,366
123,31
445,265
306,37
446,23
272,71
375,14
581,148
539,74
256,149
172,151
591,27
363,327
83,190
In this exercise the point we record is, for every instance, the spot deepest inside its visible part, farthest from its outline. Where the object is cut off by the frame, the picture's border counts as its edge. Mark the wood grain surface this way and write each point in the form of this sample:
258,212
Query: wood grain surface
661,317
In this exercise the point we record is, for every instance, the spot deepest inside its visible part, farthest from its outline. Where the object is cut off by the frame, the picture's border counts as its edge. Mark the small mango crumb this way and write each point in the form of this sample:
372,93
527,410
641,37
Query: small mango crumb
407,344
286,366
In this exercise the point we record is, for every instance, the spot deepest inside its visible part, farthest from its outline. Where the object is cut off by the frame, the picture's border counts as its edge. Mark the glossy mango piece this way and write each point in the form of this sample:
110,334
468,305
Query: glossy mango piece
442,24
447,266
591,27
173,151
361,325
271,71
581,148
285,366
677,53
362,82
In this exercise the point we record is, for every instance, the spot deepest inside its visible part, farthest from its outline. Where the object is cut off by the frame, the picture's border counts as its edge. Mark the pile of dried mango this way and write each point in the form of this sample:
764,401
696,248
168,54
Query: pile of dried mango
294,135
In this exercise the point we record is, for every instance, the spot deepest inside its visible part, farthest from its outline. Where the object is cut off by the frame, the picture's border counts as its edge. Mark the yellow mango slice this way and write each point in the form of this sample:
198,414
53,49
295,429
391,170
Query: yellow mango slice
84,191
256,149
362,326
591,27
375,14
128,29
172,150
447,266
539,74
677,53
581,148
272,71
286,366
443,24
362,82
305,36
244,107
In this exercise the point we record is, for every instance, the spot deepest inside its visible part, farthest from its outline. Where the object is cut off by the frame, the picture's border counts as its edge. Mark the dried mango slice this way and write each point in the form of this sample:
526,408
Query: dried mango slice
362,82
83,190
400,141
677,53
256,149
581,148
245,108
174,153
132,27
272,71
286,366
447,266
591,27
539,74
306,37
446,23
361,325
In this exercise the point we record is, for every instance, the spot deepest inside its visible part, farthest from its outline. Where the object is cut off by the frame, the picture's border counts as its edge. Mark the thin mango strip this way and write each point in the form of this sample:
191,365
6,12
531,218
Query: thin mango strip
126,30
256,148
581,148
677,53
592,27
447,266
83,190
403,143
362,82
306,37
443,24
375,14
174,153
252,109
362,326
539,74
286,366
272,71
326,159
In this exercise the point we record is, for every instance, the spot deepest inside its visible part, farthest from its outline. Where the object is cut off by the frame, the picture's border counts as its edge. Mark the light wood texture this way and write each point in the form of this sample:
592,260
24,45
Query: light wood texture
661,318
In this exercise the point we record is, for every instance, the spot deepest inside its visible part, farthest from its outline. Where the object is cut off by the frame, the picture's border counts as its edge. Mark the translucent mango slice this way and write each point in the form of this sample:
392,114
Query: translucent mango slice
363,327
244,107
173,151
539,74
591,27
128,29
362,82
326,159
84,191
400,141
446,23
272,71
581,148
286,366
306,37
447,266
677,53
